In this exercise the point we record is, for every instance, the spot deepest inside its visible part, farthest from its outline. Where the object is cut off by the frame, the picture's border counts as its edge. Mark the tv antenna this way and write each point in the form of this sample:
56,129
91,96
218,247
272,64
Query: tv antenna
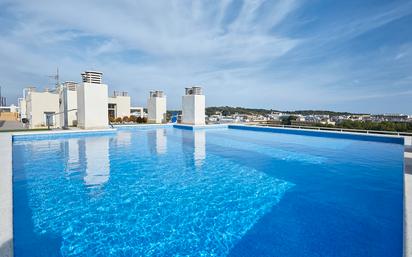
56,77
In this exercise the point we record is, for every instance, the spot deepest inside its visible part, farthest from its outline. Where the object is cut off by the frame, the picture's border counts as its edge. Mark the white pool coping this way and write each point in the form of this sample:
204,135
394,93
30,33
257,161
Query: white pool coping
6,183
56,132
6,196
407,252
194,127
148,125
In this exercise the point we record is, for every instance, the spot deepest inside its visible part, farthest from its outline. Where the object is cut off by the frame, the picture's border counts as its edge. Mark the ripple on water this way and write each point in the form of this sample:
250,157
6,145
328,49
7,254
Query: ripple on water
154,206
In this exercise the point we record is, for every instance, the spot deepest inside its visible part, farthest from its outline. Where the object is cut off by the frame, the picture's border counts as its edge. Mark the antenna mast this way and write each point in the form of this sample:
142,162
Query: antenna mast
3,101
56,77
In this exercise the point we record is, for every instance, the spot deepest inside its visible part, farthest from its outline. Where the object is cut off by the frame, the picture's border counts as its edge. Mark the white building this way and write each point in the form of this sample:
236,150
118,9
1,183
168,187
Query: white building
22,108
10,108
119,104
137,111
92,101
156,107
88,104
40,106
193,106
10,113
71,100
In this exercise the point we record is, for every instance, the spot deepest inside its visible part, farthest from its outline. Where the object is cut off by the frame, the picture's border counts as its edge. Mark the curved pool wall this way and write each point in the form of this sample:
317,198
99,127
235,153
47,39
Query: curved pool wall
74,134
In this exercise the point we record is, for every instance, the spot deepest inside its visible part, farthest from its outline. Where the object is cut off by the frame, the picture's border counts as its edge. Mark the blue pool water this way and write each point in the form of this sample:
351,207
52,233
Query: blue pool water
218,192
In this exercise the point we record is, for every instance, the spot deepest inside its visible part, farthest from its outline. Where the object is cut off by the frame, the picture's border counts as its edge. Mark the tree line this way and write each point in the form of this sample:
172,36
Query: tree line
362,125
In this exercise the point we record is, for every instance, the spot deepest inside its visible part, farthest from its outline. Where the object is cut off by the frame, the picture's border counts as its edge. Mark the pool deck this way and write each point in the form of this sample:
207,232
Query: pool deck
6,193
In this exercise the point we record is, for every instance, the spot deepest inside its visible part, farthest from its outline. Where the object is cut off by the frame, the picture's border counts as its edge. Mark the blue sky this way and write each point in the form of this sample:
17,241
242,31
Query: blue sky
295,54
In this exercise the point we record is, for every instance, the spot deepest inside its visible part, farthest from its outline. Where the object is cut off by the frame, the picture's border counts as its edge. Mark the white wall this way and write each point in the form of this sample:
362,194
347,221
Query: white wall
137,109
22,108
193,109
13,108
71,104
92,103
122,105
37,104
156,109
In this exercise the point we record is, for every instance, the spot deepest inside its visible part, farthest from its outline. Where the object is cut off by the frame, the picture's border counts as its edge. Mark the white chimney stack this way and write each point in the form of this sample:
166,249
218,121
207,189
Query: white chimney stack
156,107
92,101
193,106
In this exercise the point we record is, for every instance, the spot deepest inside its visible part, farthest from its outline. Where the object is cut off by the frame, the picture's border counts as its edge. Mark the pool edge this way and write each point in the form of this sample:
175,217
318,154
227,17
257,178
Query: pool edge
6,186
56,133
407,219
6,196
196,127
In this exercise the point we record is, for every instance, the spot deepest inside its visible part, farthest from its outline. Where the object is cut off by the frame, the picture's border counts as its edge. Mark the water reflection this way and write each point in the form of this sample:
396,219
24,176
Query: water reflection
194,146
96,152
71,150
157,141
123,139
199,145
41,147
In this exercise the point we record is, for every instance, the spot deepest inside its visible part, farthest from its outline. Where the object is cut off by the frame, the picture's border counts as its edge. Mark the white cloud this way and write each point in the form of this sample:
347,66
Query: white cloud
229,48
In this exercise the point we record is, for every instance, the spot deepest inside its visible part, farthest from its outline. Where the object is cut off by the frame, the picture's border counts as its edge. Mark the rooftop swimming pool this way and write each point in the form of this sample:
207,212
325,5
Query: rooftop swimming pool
208,192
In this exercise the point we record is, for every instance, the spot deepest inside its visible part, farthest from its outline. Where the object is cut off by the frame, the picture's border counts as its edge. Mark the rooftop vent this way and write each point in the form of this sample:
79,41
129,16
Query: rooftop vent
157,93
94,77
71,85
194,91
120,93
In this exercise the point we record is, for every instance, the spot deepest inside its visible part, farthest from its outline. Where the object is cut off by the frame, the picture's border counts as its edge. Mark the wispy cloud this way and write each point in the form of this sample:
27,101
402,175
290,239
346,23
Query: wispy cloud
273,54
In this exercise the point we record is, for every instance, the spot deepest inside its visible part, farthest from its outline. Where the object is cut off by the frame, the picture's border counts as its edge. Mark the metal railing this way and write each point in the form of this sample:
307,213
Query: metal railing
120,93
394,133
48,119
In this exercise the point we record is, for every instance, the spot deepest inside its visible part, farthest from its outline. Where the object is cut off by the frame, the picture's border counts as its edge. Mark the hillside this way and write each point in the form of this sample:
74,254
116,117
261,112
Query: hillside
228,110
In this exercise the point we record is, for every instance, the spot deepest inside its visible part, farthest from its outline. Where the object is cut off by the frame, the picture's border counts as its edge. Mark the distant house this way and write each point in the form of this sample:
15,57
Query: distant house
119,104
